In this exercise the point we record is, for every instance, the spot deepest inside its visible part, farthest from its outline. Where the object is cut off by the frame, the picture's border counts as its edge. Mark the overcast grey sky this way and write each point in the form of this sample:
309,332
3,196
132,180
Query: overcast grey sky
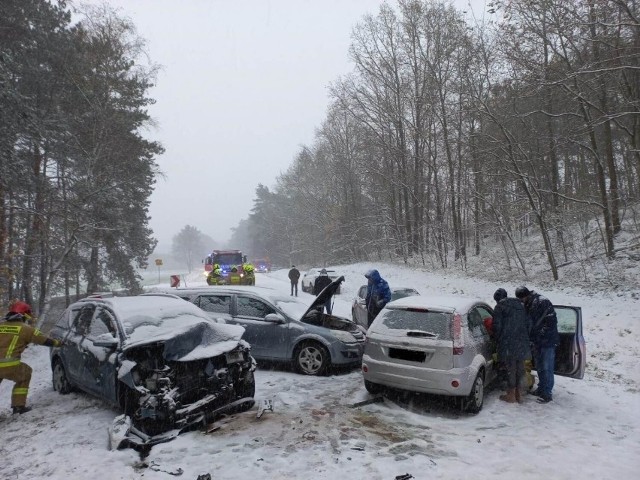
243,86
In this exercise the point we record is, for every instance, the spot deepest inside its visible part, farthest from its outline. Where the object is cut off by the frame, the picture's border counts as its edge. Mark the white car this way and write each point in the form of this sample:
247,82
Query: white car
309,278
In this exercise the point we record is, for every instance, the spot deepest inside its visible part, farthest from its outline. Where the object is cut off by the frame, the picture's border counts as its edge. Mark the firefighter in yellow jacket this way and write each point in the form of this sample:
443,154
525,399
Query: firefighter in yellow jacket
15,335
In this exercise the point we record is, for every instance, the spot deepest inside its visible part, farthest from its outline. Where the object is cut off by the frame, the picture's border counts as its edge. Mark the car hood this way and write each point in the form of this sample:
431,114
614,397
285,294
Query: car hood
189,341
328,292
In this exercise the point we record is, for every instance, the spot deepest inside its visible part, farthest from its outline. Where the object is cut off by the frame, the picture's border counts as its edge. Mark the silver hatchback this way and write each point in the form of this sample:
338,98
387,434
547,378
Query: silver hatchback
439,345
436,345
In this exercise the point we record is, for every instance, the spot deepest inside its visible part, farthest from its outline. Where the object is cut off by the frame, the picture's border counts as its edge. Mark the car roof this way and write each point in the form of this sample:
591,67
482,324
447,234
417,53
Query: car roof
135,301
208,288
396,289
214,289
447,303
132,305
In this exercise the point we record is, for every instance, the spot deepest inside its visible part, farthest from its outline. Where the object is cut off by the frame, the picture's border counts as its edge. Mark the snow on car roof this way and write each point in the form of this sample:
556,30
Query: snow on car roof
160,317
294,307
445,303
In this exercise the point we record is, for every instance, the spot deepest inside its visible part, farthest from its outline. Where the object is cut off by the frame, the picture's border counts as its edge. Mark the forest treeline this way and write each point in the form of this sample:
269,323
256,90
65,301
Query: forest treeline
449,136
453,134
76,174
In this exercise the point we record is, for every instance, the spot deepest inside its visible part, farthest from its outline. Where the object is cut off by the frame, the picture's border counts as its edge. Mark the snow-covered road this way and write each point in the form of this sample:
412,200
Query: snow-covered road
591,430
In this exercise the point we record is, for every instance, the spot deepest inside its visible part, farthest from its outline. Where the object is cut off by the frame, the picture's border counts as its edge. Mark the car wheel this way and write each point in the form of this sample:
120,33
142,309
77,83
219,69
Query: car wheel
373,388
60,381
311,358
475,400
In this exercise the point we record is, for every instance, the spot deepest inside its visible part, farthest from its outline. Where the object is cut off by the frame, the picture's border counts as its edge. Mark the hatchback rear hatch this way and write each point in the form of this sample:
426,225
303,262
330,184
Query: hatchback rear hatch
414,336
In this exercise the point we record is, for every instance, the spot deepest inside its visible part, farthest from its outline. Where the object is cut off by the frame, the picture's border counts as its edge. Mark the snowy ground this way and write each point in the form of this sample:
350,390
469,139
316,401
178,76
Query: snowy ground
590,430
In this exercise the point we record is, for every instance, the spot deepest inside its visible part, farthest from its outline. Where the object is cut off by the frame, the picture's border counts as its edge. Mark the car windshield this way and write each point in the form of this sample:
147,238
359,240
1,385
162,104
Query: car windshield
436,323
228,258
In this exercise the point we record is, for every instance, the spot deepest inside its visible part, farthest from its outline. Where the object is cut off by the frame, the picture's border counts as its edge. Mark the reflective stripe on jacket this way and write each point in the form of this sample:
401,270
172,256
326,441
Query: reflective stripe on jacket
14,338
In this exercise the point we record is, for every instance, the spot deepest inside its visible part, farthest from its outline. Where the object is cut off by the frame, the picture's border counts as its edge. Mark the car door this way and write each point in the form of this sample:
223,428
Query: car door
99,373
571,353
479,334
360,308
268,339
73,349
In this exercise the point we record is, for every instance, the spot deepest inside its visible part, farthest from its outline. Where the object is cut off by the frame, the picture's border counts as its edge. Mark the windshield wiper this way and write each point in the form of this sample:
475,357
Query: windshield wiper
414,333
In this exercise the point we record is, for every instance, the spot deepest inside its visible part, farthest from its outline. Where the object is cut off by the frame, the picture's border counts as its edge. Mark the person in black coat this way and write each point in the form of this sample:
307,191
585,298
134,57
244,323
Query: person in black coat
544,337
320,283
294,276
511,330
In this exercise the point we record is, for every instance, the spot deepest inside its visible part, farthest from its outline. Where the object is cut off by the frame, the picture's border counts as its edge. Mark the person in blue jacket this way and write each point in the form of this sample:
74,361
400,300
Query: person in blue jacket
378,294
544,338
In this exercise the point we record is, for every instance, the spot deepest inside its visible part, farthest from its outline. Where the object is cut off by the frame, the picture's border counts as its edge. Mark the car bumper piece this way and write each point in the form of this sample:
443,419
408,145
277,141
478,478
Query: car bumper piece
418,379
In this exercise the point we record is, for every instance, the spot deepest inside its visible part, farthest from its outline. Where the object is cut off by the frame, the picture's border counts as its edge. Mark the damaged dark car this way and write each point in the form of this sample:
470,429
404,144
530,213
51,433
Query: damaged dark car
158,359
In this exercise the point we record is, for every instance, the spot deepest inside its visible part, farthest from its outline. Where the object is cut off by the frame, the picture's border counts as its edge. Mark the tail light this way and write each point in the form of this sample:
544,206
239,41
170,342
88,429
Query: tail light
458,341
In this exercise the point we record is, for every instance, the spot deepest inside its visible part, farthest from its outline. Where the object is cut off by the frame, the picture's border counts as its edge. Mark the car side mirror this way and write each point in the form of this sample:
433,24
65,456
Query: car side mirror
274,318
106,340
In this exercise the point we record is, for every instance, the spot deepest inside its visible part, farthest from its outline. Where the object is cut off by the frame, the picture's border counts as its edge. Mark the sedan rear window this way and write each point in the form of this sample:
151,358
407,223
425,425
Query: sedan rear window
436,323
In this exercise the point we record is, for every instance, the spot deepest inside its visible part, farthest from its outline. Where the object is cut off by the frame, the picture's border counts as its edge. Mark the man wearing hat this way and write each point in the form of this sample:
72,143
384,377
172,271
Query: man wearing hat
544,337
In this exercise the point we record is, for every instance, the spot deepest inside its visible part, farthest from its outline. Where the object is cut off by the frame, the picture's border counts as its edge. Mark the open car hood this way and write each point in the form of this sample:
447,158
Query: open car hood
192,341
328,292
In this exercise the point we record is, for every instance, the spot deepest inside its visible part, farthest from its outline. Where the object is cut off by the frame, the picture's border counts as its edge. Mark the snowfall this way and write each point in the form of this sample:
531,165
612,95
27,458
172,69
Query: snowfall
323,428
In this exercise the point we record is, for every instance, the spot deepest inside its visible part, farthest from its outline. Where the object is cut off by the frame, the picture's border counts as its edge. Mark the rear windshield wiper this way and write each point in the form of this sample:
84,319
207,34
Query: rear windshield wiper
414,333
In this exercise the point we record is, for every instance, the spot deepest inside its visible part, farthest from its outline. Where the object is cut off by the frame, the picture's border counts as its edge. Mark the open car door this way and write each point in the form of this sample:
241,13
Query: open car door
571,353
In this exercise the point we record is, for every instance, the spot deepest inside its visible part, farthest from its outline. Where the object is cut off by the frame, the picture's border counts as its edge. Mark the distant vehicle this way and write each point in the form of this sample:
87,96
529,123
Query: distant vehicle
159,359
283,328
262,265
309,278
359,308
234,269
439,345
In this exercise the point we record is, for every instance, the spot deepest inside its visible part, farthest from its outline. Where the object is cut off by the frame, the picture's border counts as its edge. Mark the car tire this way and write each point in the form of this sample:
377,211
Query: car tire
373,388
311,358
60,381
475,400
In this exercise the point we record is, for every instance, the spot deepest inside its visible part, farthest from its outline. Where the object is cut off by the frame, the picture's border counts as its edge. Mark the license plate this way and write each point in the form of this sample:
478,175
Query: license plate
234,357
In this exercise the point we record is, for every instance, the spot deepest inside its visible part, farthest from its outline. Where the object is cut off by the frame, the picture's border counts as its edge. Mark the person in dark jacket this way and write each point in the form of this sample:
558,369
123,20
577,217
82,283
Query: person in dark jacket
294,276
544,337
320,283
511,330
378,294
15,336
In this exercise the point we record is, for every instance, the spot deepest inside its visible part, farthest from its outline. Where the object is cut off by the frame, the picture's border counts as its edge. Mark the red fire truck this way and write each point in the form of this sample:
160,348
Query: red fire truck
233,267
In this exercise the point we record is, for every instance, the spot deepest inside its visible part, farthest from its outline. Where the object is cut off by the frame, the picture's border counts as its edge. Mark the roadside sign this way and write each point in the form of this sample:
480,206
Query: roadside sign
158,261
175,281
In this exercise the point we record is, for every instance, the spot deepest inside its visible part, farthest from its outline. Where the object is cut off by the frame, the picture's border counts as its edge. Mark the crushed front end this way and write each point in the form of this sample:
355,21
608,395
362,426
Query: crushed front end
164,396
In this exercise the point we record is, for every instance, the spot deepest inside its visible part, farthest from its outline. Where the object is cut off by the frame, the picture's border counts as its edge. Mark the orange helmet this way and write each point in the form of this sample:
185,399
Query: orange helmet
20,307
